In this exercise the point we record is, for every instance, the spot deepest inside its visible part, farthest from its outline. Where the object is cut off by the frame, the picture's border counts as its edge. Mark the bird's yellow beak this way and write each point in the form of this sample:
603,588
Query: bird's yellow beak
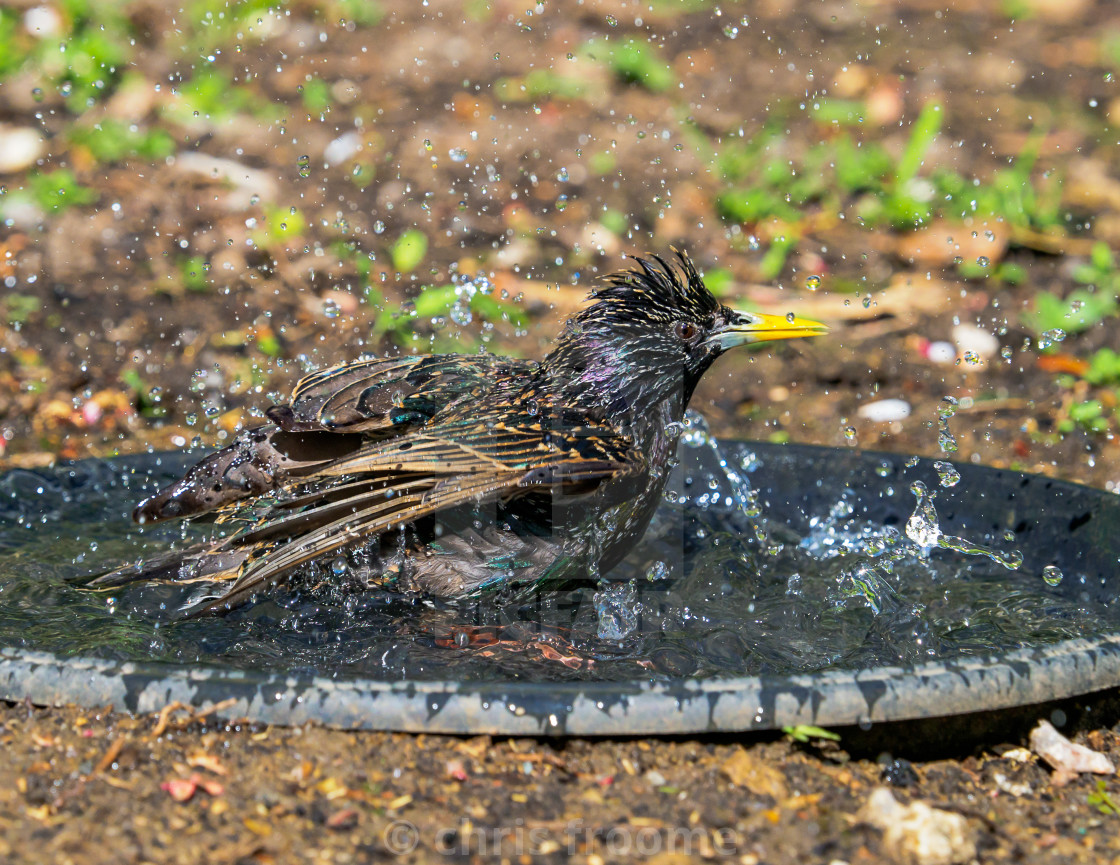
748,327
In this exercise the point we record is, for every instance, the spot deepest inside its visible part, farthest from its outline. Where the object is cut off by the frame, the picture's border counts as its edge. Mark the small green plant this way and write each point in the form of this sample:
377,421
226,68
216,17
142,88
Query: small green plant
16,43
1082,308
767,178
436,305
804,732
114,140
774,259
278,227
193,270
720,281
210,94
58,190
1104,367
540,84
147,399
18,308
409,250
82,61
1088,414
364,13
316,94
1102,801
839,112
635,62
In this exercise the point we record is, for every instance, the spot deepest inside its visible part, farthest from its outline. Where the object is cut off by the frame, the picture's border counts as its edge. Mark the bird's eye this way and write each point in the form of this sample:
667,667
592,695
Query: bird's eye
685,330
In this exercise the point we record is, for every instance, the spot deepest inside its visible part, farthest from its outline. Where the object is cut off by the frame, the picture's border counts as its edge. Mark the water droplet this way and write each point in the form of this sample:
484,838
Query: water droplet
457,154
983,260
945,410
657,571
1052,575
461,314
304,164
617,608
922,527
813,282
949,476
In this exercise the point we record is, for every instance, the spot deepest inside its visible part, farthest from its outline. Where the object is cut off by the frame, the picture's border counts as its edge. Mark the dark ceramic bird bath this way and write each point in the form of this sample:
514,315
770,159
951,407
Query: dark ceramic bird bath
708,626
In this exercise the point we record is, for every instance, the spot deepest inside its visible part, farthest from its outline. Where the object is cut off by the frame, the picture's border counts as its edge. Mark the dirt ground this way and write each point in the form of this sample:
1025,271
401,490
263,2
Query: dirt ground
263,228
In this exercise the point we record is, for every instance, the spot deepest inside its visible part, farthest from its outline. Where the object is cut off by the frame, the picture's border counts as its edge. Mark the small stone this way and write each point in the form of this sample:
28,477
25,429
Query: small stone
762,779
1067,758
970,338
885,410
20,146
917,834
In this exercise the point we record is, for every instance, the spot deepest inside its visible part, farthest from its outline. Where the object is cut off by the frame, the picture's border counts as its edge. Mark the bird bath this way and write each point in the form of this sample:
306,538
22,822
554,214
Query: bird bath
740,610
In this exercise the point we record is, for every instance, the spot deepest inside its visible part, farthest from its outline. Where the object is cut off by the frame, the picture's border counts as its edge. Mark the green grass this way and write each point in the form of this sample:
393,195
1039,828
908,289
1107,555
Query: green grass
764,181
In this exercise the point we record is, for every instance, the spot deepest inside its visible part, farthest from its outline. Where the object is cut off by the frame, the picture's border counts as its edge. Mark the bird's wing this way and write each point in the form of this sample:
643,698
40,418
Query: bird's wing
332,413
380,395
388,484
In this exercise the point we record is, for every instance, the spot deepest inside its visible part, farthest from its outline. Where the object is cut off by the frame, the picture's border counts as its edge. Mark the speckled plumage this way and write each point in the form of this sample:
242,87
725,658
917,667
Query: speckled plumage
448,474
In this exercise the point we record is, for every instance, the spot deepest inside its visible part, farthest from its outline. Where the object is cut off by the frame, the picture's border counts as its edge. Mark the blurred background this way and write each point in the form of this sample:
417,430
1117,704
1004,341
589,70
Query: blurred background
199,202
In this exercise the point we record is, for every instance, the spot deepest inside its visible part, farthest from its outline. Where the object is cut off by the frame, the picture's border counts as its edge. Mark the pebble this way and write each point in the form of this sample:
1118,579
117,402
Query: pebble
1067,758
885,410
941,352
970,338
20,147
917,834
342,148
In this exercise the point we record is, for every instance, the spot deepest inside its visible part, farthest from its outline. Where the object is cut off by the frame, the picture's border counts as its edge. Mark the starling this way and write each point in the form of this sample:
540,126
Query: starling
451,474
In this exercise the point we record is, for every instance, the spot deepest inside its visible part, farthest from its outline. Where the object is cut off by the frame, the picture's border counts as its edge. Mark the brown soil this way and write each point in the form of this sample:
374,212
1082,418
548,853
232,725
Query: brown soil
119,354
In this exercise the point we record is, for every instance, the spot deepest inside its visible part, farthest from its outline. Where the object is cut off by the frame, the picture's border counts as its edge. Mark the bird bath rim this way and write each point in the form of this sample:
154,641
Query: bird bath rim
828,699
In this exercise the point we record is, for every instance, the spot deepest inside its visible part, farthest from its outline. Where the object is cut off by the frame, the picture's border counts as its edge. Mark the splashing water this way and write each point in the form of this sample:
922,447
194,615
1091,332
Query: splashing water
924,529
617,608
945,410
948,475
698,435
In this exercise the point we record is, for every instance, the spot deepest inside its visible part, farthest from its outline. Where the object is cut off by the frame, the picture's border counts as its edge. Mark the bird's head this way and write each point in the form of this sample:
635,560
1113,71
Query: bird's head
652,331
